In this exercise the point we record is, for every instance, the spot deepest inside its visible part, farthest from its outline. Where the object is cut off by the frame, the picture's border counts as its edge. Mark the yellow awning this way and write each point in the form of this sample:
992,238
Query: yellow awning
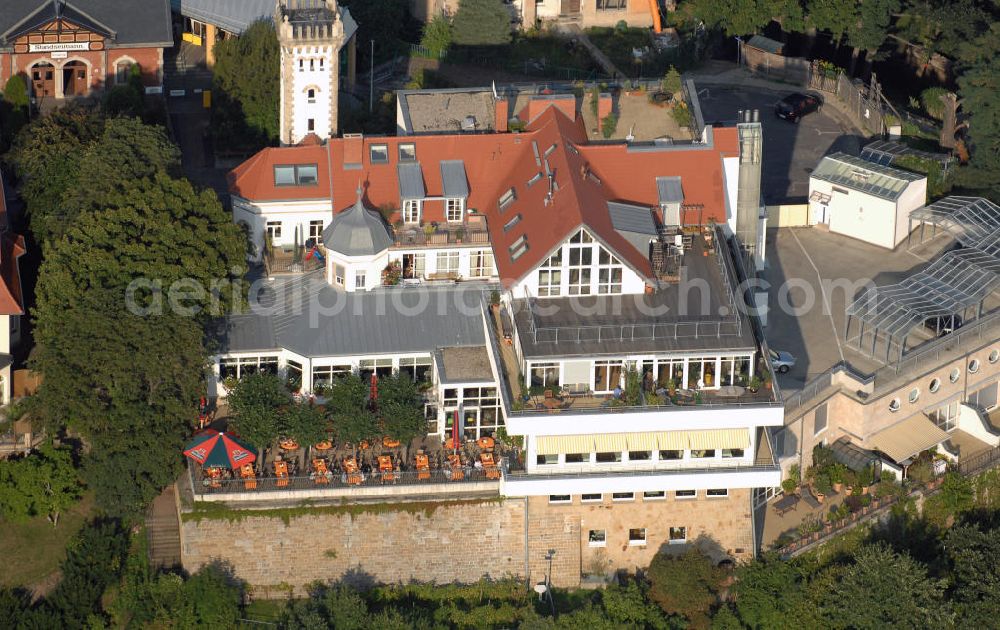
611,442
905,439
641,441
556,444
672,440
719,438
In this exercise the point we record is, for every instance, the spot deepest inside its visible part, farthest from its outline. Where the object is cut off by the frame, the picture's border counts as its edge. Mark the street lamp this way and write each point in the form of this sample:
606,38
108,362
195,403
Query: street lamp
548,580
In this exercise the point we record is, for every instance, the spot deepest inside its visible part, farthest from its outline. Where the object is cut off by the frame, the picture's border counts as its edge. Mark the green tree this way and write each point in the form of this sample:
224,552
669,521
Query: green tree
871,29
13,109
400,407
46,157
973,555
245,87
686,584
44,483
255,403
734,17
437,35
304,422
671,82
128,379
886,589
481,23
769,593
384,21
979,83
348,402
833,16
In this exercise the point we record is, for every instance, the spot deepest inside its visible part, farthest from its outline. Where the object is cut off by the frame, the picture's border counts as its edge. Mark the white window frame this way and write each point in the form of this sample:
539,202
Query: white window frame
661,496
448,262
724,491
412,210
482,264
454,209
603,542
360,280
630,497
678,497
273,230
637,542
677,541
556,499
599,499
338,274
316,230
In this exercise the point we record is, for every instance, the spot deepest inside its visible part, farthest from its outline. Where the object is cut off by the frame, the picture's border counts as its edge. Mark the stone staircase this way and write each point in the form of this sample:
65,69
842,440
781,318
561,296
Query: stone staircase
163,530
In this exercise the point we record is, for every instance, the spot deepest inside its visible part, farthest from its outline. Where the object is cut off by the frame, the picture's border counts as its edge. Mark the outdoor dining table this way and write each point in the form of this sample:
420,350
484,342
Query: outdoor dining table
385,467
455,471
389,442
249,478
281,472
423,467
489,465
288,445
486,443
351,474
214,475
786,504
321,474
323,445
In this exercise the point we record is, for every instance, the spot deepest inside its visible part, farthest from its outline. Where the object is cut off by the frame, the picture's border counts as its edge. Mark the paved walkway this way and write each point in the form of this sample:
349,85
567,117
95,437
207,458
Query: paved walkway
163,530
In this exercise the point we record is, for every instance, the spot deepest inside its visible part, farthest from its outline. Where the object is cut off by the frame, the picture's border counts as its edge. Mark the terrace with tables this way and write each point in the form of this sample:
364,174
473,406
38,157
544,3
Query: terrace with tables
425,466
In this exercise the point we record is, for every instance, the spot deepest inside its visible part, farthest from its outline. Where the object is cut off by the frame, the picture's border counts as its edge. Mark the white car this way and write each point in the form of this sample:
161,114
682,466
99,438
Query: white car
781,361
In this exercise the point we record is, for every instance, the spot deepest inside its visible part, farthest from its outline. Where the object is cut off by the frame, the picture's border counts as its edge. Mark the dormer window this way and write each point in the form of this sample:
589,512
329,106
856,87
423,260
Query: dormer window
295,175
454,209
378,154
408,152
411,210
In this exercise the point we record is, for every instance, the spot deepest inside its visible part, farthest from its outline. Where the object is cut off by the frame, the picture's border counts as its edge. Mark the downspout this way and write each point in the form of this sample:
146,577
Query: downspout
527,571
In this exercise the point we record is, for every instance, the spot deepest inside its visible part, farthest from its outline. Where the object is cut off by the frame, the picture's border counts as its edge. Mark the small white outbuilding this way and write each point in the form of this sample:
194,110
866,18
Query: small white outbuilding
864,200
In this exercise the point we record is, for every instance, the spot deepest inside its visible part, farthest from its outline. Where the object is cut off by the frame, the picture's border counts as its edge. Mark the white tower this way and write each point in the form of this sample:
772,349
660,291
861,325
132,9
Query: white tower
311,34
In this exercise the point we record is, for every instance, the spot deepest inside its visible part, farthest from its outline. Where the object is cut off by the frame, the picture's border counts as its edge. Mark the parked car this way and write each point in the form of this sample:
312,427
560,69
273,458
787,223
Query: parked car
794,106
781,361
943,324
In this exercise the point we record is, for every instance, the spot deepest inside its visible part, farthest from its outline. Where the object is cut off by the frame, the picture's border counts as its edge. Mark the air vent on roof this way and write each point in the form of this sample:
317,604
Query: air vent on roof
469,123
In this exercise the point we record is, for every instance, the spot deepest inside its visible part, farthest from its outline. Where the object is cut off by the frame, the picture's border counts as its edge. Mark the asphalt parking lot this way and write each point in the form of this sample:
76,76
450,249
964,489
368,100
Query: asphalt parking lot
791,150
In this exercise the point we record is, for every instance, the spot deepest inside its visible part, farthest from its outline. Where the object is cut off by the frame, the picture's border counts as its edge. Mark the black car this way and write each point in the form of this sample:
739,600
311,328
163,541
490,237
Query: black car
943,325
794,106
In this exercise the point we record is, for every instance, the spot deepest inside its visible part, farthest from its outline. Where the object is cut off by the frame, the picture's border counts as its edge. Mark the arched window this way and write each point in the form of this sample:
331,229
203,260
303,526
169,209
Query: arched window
311,95
123,68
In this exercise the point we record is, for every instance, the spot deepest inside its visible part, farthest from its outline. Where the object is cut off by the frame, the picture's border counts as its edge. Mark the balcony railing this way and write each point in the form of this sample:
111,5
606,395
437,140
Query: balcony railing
202,485
409,236
620,471
282,260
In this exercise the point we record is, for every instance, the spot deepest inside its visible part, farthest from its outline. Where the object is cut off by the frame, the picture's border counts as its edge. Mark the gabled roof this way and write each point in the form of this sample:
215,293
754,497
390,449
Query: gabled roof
140,22
560,183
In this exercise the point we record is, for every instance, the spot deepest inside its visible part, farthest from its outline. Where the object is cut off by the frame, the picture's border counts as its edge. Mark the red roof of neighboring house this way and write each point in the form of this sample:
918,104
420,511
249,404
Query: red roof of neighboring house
585,178
11,248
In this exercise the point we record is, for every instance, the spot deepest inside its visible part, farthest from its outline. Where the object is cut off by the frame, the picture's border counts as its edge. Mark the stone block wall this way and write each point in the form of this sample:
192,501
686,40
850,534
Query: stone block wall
461,541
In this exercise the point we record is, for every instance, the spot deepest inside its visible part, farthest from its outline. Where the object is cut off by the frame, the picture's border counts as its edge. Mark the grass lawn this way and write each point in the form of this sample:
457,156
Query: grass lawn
32,550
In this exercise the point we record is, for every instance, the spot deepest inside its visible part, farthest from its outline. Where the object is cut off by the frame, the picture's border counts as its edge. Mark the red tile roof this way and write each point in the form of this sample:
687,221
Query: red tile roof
585,177
11,248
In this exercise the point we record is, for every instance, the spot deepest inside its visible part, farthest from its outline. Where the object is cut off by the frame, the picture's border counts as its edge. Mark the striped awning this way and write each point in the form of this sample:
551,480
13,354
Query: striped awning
641,441
611,442
556,444
719,438
905,439
672,440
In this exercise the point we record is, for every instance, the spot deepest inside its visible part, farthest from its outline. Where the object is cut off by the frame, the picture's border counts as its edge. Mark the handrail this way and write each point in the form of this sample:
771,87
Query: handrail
728,402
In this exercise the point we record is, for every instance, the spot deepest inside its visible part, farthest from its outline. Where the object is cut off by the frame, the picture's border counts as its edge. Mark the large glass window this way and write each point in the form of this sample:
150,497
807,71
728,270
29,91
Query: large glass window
985,397
581,260
411,210
418,368
611,5
242,366
316,230
609,273
379,367
946,417
482,265
324,374
607,375
544,374
447,262
550,275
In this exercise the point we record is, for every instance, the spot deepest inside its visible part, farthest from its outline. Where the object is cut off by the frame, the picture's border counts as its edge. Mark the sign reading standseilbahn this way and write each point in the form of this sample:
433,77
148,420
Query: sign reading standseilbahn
58,46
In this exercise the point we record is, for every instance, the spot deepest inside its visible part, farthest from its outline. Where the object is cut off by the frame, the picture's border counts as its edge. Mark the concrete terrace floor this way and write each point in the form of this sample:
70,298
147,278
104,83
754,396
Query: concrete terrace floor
809,260
788,523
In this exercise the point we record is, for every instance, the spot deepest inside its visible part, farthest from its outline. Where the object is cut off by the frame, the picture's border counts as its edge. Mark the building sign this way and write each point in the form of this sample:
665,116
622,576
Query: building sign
64,46
59,54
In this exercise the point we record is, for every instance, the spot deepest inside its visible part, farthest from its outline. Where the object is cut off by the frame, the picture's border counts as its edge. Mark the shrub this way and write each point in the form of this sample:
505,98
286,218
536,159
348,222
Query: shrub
930,99
671,82
437,35
609,124
681,114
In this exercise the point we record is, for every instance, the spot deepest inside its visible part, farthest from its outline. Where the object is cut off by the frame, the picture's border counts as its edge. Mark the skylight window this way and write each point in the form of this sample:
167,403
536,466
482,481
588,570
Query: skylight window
534,179
507,198
518,247
379,154
514,221
295,174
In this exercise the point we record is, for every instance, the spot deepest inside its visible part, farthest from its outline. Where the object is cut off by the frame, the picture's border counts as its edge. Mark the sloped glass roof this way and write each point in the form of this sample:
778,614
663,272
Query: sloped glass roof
864,176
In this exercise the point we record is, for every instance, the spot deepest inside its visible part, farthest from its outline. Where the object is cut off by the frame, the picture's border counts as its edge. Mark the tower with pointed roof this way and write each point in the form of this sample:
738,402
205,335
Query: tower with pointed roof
357,242
311,34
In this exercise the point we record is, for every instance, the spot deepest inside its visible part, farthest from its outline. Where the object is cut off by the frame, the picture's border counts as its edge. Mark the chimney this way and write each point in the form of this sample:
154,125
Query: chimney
501,115
604,108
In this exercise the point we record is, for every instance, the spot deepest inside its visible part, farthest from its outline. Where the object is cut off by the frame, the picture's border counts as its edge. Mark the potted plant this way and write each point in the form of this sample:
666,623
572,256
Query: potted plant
428,230
766,380
495,300
789,485
671,387
822,487
754,385
836,474
459,234
866,478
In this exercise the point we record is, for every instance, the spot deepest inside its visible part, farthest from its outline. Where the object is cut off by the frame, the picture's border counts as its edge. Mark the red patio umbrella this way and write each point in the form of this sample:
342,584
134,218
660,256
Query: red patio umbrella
213,448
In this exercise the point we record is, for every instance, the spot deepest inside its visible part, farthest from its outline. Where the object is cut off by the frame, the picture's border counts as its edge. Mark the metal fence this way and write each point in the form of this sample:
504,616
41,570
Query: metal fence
202,485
